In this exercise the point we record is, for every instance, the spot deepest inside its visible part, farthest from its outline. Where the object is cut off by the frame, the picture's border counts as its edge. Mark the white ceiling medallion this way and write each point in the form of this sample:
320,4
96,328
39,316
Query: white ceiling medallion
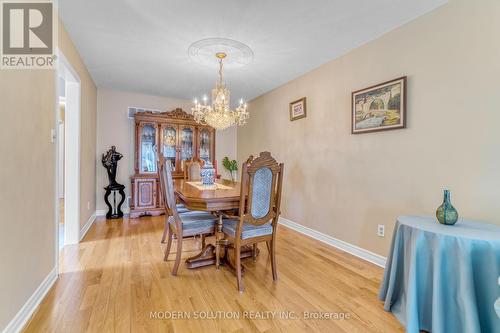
238,54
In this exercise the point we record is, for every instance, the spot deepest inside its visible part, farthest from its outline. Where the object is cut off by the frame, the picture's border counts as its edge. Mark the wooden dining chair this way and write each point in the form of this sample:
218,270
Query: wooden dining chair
192,169
181,209
259,211
187,224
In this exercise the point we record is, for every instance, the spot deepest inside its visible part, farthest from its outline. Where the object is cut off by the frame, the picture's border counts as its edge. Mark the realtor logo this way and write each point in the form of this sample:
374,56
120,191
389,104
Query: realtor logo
28,34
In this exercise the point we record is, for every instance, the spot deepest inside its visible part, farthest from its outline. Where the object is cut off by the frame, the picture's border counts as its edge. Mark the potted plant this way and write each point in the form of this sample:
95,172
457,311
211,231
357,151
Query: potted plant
232,167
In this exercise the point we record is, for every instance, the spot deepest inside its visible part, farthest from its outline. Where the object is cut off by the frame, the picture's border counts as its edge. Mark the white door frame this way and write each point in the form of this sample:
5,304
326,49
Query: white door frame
71,153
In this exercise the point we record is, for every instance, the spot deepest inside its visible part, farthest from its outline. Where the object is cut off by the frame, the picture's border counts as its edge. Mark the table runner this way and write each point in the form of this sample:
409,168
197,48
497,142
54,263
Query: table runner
216,186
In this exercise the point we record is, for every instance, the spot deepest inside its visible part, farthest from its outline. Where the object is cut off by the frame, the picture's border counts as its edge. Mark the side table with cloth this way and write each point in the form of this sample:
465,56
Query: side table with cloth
442,278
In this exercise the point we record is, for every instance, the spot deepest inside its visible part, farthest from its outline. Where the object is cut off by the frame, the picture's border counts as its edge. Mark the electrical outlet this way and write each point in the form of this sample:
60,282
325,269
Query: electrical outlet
381,230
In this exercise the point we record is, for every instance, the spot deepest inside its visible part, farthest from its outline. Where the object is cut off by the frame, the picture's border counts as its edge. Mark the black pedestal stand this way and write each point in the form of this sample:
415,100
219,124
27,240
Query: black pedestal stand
114,212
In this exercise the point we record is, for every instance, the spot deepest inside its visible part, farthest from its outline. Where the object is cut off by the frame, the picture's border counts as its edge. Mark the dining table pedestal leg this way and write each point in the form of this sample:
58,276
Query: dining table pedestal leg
211,254
205,258
247,251
208,256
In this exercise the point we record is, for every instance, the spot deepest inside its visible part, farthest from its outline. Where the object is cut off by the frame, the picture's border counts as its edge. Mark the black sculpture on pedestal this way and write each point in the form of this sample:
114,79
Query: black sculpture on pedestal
110,162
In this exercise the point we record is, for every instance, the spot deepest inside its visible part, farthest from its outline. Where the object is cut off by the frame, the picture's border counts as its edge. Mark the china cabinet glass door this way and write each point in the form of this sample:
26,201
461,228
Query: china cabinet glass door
205,145
148,149
186,144
169,144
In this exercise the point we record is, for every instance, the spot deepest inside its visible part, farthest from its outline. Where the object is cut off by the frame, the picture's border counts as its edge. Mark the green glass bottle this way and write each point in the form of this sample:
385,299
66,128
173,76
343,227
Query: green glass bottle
446,213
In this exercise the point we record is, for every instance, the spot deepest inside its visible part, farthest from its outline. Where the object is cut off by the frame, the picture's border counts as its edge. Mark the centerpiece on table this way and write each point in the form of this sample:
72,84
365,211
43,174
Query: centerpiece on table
232,167
207,174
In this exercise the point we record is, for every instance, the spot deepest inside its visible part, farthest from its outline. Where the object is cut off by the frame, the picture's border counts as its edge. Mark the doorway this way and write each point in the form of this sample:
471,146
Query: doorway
68,154
61,108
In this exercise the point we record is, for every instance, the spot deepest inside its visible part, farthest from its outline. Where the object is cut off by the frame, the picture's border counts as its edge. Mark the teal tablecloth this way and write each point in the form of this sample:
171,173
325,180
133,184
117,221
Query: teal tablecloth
443,279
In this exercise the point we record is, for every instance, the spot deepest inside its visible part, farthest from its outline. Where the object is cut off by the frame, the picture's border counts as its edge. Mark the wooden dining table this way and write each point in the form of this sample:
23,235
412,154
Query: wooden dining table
210,200
217,201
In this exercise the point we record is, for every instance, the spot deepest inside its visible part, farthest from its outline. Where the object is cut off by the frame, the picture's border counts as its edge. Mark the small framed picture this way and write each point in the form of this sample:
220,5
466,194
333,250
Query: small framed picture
379,108
298,109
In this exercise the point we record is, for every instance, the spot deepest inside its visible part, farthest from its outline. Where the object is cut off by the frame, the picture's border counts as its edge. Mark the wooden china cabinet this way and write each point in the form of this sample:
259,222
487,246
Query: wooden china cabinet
179,138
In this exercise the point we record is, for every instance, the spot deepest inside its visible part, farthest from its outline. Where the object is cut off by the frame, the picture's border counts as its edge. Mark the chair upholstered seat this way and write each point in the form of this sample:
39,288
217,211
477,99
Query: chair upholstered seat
249,230
197,222
182,209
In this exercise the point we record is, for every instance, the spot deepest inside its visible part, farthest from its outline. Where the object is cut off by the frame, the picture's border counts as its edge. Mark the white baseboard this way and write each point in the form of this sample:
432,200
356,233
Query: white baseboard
339,244
87,225
102,212
23,316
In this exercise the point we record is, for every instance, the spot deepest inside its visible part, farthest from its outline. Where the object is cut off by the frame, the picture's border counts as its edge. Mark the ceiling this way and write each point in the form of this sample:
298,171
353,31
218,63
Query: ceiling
142,46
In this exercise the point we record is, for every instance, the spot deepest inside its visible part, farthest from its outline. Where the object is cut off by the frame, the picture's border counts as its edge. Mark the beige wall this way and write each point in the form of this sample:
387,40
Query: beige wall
27,113
344,185
27,175
226,145
114,128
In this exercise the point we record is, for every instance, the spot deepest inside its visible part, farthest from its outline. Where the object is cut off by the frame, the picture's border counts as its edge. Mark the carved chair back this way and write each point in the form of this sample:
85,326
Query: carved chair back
192,169
262,180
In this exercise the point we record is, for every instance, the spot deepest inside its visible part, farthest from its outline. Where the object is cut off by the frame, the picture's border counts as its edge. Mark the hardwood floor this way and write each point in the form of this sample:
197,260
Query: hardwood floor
116,281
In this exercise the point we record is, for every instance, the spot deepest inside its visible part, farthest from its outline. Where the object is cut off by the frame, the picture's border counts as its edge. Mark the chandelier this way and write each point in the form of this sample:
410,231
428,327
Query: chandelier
219,115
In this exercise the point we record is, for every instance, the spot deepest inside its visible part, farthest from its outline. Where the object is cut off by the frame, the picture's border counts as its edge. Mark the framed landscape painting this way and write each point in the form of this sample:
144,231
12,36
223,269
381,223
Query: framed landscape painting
379,108
298,109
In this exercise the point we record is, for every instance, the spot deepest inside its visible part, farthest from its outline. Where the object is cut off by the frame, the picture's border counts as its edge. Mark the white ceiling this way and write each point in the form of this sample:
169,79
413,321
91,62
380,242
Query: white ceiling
142,45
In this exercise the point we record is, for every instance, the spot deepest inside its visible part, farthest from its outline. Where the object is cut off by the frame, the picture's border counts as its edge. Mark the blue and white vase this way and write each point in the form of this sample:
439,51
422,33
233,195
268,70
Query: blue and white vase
207,174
